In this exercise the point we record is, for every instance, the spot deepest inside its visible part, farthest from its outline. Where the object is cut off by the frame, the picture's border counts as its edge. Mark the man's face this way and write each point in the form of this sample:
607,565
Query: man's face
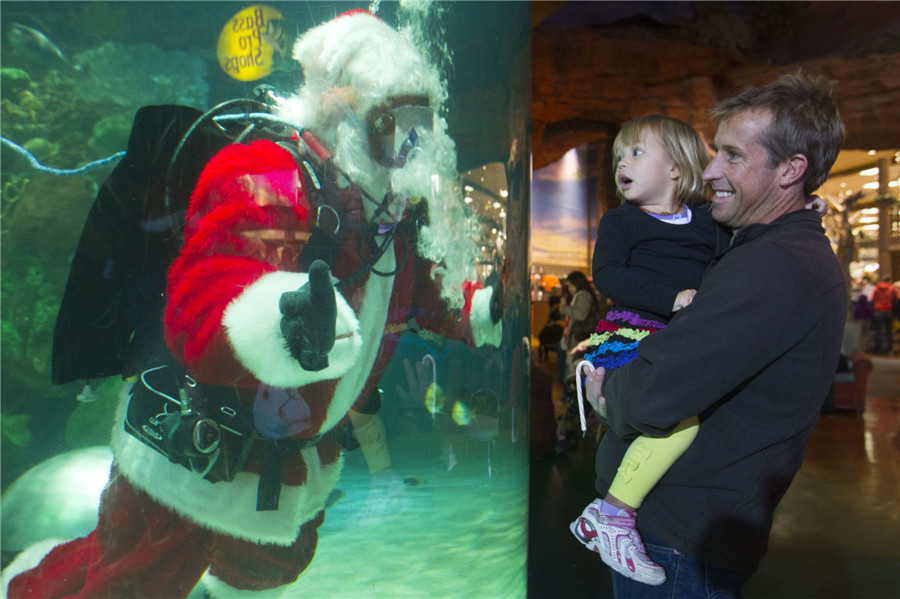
744,186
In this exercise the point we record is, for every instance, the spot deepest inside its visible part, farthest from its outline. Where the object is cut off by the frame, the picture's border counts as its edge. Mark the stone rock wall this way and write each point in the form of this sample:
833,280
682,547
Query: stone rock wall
586,80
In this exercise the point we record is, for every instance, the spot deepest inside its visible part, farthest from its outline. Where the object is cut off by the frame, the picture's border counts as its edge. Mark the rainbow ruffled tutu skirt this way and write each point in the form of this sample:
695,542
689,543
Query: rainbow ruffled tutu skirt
614,343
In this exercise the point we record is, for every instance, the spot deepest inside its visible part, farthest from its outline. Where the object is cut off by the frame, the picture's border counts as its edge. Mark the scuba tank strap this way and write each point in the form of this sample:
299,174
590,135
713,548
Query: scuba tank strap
269,490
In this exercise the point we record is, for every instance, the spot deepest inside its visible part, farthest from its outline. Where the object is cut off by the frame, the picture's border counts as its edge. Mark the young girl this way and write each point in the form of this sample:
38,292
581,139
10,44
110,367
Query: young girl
650,256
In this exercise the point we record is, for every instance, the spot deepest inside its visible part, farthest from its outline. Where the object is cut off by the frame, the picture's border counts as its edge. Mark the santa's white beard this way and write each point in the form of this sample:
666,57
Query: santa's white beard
448,240
429,175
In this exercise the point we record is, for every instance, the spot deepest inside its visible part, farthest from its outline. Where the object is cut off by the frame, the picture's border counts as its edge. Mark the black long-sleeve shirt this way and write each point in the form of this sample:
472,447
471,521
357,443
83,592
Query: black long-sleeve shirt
642,262
754,356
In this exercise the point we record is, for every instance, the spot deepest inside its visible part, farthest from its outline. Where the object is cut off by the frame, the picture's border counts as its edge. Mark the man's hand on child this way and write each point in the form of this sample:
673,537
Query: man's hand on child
684,299
593,384
816,203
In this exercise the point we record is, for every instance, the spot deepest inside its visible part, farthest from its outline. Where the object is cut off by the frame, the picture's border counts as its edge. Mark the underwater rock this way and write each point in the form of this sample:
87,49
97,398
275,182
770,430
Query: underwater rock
136,75
40,232
24,109
57,498
110,134
46,222
14,80
30,102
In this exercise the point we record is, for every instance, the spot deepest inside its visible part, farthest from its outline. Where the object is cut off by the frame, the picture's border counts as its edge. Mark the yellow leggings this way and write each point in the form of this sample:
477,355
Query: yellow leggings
647,460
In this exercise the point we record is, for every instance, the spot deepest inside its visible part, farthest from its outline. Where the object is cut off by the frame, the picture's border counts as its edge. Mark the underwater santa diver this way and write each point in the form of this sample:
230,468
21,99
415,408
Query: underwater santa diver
242,325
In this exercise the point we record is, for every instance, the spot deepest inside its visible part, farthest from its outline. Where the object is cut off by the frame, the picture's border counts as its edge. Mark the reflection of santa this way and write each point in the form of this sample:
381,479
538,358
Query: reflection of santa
245,311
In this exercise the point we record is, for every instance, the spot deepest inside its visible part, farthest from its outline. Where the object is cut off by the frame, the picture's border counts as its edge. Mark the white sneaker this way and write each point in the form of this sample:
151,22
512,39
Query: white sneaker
617,541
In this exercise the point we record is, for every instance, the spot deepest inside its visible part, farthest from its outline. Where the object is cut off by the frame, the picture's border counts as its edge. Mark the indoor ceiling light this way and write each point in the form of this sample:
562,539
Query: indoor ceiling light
874,185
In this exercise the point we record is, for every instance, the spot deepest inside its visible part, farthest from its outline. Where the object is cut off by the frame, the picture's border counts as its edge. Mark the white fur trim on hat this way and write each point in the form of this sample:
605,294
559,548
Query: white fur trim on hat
253,325
361,51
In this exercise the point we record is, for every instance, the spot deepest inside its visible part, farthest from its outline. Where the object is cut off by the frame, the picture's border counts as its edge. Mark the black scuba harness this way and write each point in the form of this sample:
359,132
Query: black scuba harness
244,120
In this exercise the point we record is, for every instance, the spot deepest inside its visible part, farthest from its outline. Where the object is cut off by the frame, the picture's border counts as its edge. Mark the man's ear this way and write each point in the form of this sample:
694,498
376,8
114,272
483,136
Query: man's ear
793,169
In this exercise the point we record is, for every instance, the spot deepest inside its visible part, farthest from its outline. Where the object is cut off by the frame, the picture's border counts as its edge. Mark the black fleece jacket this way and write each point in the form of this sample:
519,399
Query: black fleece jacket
753,356
642,263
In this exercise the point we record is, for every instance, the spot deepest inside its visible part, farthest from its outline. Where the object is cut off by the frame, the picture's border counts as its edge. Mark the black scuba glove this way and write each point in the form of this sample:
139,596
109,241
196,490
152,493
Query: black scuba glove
310,317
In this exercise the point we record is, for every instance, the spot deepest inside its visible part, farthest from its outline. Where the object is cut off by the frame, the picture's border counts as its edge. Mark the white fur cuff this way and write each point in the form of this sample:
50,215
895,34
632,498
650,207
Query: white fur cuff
484,330
253,325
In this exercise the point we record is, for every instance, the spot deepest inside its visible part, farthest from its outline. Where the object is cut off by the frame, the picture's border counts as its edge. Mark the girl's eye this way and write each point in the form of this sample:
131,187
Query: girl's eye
638,151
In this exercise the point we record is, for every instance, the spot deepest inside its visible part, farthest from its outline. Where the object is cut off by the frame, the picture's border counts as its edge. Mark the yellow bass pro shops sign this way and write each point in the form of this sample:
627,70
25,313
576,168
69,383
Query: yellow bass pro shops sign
247,44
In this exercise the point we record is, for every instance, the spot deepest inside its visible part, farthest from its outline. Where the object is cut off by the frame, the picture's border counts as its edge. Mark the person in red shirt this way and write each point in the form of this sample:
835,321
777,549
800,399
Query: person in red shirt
883,321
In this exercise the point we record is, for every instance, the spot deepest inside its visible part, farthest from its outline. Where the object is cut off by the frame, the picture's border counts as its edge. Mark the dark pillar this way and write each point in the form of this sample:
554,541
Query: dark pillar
885,204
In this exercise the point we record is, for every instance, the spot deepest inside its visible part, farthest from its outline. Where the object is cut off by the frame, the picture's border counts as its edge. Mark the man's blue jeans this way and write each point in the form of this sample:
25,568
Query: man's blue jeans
686,578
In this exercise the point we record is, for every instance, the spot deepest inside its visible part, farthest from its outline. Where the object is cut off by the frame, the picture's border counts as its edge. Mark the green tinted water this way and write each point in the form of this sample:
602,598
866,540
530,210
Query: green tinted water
450,520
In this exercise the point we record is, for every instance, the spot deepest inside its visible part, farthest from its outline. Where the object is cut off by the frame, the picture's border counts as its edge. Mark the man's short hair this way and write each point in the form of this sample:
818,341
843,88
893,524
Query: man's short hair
805,121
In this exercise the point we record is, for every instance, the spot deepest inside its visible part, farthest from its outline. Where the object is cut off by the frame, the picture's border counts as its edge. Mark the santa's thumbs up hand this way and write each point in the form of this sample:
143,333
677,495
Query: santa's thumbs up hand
309,317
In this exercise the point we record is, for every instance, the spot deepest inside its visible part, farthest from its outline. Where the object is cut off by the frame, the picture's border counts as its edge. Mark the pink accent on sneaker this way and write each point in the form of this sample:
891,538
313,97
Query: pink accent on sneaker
584,533
617,541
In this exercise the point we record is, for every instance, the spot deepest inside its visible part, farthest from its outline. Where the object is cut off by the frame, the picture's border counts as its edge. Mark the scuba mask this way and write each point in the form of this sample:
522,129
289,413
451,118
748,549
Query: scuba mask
395,128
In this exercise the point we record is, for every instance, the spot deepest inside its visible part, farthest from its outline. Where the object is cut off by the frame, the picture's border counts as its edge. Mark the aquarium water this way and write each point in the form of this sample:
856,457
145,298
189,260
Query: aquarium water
449,518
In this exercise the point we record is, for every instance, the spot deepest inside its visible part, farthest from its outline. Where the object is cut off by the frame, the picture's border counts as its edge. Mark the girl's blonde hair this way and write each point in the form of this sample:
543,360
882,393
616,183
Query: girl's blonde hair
682,145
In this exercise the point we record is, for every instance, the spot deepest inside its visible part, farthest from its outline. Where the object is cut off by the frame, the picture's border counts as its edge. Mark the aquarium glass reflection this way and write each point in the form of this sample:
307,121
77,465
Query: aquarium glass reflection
287,308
